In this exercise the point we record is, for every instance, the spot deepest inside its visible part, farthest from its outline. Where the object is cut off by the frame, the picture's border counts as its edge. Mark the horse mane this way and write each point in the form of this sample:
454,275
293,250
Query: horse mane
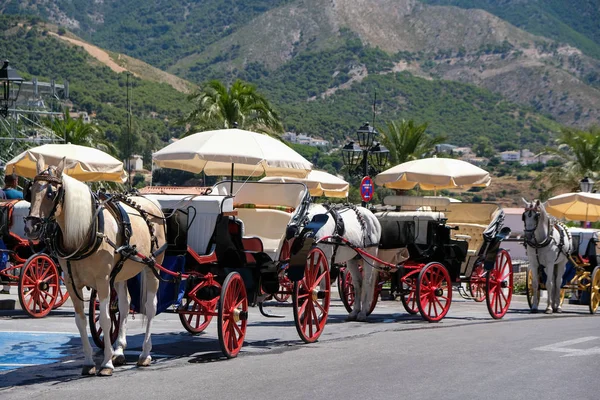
78,212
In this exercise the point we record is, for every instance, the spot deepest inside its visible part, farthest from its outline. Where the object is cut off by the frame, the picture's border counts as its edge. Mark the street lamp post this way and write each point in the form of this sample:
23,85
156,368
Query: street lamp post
586,185
9,78
364,157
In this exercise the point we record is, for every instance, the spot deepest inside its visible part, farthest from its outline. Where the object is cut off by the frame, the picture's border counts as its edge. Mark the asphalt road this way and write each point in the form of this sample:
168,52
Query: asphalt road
466,356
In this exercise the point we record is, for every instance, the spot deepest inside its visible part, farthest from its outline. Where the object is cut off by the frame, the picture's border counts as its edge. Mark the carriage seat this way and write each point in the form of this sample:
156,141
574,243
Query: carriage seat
267,224
472,233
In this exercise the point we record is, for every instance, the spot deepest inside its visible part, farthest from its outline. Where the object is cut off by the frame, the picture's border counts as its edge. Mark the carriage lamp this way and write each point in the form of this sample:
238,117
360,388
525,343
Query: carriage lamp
351,155
9,78
379,156
586,185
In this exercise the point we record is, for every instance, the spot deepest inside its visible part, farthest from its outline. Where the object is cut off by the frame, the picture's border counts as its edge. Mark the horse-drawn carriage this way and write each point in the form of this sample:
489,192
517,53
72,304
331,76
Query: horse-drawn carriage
228,250
37,275
430,244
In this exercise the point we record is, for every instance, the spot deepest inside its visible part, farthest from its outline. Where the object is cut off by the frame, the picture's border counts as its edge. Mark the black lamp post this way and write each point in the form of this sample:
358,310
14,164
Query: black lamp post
370,155
9,77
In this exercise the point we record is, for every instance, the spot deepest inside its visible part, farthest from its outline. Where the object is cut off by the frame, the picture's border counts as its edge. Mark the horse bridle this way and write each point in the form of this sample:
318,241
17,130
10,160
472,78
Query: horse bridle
56,196
536,216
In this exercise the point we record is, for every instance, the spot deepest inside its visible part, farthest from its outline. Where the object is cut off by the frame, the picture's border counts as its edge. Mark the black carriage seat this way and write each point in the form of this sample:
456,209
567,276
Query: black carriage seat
178,224
5,218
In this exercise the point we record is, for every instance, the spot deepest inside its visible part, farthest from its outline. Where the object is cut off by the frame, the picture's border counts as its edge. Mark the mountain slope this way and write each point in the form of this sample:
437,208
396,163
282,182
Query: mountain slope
574,21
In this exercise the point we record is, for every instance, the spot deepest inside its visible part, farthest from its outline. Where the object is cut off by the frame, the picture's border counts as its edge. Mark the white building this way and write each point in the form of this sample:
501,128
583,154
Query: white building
510,156
136,162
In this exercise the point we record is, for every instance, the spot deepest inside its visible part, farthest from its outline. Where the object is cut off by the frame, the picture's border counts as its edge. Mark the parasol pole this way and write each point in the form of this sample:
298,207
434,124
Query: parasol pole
231,187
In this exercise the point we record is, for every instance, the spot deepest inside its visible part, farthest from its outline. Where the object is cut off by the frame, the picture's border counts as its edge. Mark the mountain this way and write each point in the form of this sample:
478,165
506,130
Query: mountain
97,83
321,61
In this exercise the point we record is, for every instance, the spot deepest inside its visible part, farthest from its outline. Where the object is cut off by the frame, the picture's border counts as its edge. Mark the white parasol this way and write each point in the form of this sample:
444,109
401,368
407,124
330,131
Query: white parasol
82,163
433,174
580,206
233,151
319,183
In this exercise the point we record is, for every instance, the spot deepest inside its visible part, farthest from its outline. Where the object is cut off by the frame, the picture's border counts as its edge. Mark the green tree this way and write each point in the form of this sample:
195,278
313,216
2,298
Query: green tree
217,107
407,141
75,131
579,151
482,147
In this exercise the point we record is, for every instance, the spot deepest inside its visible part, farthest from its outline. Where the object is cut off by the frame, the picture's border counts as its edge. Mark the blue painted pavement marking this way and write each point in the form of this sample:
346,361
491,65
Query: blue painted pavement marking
22,349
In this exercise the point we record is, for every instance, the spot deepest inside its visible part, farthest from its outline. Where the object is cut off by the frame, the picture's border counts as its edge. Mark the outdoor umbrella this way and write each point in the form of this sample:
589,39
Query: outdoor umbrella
233,151
433,174
581,206
86,164
319,183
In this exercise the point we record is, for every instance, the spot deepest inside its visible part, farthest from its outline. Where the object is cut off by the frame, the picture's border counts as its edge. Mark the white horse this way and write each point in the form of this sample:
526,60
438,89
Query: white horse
362,229
548,244
87,253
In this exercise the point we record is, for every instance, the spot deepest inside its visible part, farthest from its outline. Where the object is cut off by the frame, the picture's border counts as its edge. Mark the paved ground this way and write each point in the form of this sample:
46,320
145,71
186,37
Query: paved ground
38,354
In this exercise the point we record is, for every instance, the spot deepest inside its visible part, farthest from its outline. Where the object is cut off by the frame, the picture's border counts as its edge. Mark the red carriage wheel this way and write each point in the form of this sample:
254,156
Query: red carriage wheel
94,318
434,292
195,316
499,285
476,283
233,315
311,297
340,281
409,301
529,288
346,289
285,285
63,295
38,285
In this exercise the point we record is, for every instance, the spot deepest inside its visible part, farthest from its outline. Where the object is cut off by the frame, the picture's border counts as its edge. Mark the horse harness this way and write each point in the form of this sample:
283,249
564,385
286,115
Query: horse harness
113,203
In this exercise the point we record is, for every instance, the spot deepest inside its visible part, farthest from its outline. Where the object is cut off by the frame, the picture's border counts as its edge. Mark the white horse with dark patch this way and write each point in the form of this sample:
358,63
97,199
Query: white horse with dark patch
362,229
548,244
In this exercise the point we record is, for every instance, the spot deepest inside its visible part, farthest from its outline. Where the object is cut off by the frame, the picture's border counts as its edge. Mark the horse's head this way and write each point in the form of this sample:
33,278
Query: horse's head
45,194
534,211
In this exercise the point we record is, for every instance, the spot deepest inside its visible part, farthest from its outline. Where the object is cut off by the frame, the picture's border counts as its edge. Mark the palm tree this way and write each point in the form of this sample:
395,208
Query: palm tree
216,107
579,151
75,131
407,141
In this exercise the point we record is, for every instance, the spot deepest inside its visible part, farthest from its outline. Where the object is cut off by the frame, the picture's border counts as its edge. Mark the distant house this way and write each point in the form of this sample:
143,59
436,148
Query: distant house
136,162
304,139
510,156
445,148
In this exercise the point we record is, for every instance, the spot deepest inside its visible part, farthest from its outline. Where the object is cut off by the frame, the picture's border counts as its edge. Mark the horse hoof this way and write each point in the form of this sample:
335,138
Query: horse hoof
361,318
548,311
145,362
88,370
105,371
558,310
534,310
351,318
118,360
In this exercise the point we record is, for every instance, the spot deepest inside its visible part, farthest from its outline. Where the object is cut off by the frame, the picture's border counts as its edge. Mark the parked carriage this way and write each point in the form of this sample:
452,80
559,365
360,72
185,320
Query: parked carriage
37,275
228,252
430,245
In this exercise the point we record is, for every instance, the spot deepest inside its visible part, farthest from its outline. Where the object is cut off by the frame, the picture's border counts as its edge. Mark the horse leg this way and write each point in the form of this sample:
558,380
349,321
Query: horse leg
357,279
149,289
560,271
549,287
106,369
370,276
535,285
89,367
121,344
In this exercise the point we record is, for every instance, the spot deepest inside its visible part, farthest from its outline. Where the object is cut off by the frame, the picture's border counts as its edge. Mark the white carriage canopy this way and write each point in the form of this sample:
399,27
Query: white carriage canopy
227,151
319,183
83,163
